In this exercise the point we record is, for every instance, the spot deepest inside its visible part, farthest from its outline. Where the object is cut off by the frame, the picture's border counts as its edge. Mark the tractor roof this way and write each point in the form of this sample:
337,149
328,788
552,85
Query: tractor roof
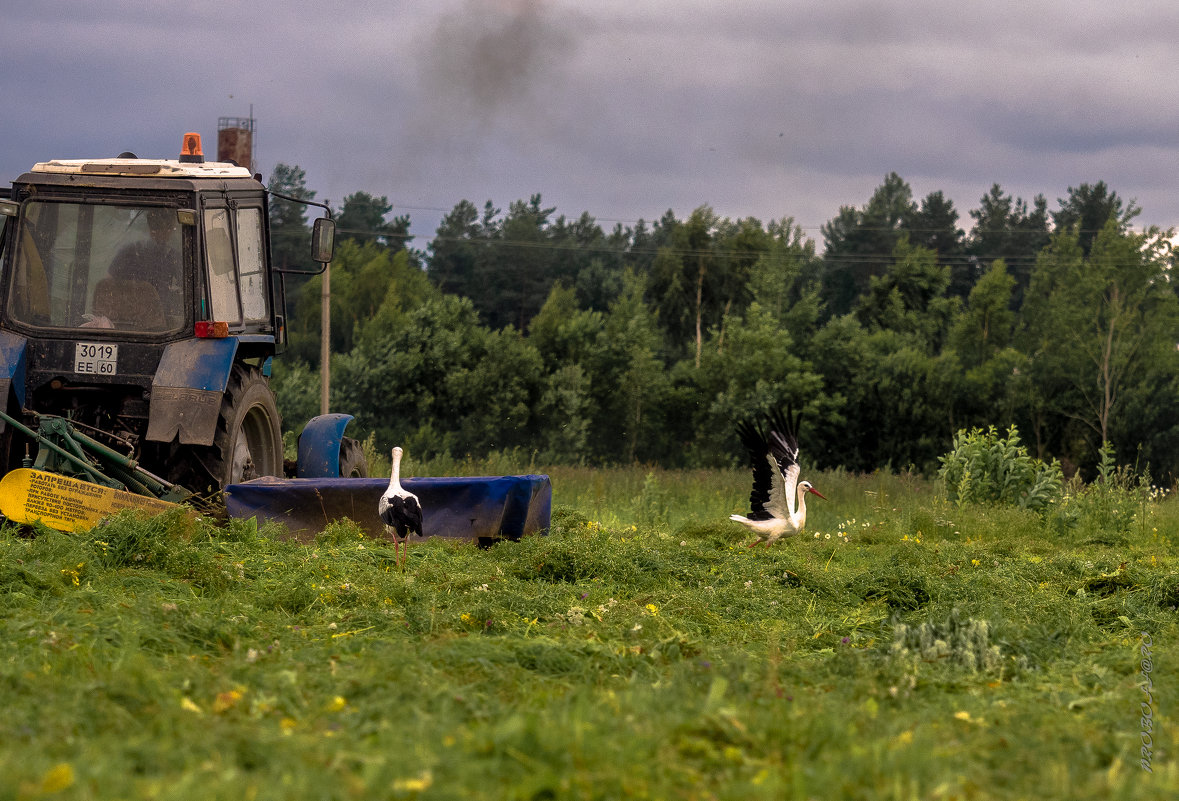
142,168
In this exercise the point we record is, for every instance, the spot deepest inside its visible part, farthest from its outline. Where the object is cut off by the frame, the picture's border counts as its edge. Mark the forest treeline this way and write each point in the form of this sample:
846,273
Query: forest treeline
528,329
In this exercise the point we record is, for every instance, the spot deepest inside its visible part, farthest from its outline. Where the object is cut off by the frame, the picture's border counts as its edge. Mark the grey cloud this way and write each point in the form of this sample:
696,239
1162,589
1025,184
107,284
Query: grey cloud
619,108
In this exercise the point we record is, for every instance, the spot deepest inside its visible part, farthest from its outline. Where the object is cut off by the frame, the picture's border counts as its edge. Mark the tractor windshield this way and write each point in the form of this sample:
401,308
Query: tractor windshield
97,266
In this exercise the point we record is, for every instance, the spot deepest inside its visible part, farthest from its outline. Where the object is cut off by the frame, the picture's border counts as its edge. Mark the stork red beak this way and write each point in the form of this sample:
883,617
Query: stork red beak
814,491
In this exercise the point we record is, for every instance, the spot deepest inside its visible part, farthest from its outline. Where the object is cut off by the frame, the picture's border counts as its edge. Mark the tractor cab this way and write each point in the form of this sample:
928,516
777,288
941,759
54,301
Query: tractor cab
137,300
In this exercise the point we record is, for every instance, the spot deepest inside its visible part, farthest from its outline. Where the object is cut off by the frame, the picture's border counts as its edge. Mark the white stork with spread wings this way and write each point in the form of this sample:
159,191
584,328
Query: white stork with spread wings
773,453
400,510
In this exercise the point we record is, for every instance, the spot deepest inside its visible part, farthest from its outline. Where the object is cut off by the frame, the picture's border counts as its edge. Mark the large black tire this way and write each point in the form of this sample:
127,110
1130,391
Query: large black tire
353,463
248,441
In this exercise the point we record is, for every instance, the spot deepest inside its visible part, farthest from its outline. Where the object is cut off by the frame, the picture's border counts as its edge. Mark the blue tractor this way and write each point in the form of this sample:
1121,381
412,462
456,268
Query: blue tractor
139,316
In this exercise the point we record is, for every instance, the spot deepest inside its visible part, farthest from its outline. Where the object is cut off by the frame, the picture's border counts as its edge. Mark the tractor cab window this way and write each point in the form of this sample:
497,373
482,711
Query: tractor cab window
240,294
4,226
92,266
219,262
252,253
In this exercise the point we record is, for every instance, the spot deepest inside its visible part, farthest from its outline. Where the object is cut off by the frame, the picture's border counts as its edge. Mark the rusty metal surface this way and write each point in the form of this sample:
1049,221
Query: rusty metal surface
236,145
464,508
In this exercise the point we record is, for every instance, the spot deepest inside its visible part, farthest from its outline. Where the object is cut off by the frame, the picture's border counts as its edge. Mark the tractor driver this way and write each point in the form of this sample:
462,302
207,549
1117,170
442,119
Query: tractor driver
155,261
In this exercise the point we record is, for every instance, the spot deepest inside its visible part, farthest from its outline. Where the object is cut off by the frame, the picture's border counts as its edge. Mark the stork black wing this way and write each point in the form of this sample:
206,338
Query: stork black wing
754,438
412,514
403,513
784,436
784,449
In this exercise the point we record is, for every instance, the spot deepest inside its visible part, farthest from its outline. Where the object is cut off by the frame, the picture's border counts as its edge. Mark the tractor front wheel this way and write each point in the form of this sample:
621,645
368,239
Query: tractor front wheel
248,441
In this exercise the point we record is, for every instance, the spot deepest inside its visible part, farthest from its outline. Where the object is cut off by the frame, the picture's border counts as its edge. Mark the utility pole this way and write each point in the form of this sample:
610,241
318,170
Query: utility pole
325,339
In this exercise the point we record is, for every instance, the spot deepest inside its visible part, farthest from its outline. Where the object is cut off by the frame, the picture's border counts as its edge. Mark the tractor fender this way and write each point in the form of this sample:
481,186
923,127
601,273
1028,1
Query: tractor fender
12,369
319,446
187,389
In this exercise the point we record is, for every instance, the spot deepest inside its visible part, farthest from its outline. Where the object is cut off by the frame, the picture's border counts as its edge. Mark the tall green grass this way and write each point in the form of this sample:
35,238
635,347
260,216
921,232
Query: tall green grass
902,647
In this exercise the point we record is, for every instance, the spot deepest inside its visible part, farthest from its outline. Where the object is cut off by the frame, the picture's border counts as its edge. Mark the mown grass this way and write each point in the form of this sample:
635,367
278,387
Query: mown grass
639,650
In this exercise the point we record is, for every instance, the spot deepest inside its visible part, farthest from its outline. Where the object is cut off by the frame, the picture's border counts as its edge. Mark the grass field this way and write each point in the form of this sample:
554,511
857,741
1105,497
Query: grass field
902,648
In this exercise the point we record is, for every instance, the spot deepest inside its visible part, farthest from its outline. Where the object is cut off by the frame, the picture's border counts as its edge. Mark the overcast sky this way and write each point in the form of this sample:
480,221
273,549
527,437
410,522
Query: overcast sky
622,108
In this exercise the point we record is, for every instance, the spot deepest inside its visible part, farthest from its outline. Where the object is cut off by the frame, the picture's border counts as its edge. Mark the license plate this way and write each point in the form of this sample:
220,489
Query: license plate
96,358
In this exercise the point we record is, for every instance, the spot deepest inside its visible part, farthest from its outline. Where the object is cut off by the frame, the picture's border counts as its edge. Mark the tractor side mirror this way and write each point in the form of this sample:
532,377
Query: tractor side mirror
323,240
9,208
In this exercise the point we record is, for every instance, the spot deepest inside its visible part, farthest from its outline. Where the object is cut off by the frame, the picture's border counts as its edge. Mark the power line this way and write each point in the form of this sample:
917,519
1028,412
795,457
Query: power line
850,259
810,227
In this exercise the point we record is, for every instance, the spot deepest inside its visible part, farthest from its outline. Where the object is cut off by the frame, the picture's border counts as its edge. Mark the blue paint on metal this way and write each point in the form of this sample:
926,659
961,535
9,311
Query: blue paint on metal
13,363
197,364
268,366
465,508
319,446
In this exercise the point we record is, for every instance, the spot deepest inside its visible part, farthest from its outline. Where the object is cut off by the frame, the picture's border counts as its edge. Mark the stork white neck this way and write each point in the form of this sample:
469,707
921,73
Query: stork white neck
800,515
395,478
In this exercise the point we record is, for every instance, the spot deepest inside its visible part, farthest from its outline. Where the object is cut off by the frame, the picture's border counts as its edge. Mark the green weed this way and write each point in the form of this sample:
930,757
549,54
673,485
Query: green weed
986,468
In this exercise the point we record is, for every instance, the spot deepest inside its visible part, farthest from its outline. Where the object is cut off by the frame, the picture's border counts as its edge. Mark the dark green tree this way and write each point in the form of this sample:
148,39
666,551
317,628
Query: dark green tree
859,243
628,381
516,275
568,339
367,279
290,236
702,273
605,274
934,226
994,372
495,397
562,331
1088,208
986,325
755,370
393,379
1096,326
910,297
459,242
505,265
1005,228
896,398
682,270
893,389
363,218
585,258
784,280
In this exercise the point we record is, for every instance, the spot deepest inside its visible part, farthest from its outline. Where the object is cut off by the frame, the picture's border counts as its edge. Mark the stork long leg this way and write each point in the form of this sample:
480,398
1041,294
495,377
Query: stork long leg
396,547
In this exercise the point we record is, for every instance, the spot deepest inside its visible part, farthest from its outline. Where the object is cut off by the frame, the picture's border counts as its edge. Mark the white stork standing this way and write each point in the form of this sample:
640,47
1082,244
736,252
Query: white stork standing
400,510
773,452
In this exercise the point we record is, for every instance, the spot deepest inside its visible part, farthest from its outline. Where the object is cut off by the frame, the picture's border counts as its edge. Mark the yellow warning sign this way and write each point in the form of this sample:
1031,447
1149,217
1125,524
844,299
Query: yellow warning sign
66,504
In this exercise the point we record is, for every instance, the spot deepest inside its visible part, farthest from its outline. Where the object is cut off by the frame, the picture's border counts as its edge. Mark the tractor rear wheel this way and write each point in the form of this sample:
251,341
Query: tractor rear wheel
353,462
248,441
